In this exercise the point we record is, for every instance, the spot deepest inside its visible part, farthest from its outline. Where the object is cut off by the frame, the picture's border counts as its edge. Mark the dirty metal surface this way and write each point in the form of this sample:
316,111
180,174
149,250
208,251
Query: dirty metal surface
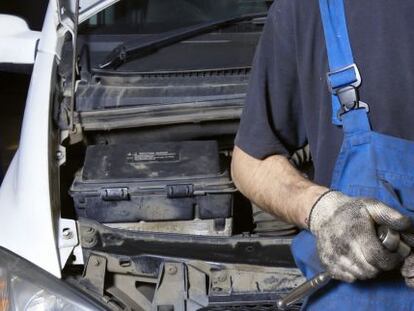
205,227
253,250
187,285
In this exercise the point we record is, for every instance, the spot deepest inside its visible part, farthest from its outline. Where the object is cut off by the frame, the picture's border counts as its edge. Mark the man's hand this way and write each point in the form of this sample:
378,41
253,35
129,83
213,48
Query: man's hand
345,229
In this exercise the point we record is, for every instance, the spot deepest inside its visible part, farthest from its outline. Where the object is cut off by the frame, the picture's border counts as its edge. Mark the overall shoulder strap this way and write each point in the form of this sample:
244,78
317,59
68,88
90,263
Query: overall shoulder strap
343,78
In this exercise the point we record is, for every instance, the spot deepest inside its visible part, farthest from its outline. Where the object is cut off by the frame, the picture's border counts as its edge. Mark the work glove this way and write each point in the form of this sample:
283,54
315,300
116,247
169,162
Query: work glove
407,269
347,241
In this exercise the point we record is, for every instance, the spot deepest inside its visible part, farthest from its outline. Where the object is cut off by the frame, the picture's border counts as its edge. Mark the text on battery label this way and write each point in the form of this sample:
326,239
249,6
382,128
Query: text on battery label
133,157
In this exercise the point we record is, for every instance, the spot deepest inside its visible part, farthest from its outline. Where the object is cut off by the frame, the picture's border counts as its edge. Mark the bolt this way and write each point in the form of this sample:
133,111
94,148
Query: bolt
59,155
222,277
90,230
171,270
67,234
96,262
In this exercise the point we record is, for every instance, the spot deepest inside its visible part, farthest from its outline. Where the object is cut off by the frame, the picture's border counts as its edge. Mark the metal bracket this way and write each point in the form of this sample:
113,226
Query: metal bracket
64,135
171,288
75,136
94,274
70,23
197,288
180,288
69,242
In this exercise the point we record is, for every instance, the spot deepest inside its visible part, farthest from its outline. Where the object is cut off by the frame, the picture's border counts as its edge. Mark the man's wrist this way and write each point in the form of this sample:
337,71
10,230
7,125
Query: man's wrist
311,196
315,206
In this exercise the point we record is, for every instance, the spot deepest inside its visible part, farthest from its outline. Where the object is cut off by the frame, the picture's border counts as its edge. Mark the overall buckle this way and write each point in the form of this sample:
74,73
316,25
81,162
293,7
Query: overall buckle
349,100
344,83
342,77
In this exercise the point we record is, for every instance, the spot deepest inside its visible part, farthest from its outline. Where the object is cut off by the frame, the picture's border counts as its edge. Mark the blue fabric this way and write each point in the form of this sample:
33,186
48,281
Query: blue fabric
342,78
288,104
373,165
369,164
338,48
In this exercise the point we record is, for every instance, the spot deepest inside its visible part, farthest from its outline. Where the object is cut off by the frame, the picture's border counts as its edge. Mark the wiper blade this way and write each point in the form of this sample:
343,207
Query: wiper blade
135,49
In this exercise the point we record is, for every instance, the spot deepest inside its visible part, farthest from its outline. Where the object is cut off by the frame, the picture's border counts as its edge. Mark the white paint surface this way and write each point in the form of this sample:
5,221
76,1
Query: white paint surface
27,225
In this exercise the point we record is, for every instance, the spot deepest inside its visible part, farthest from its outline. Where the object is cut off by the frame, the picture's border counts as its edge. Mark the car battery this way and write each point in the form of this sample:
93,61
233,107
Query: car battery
153,182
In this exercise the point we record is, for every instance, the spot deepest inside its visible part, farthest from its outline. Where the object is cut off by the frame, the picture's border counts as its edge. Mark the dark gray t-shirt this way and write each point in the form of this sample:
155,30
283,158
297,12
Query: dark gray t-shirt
288,103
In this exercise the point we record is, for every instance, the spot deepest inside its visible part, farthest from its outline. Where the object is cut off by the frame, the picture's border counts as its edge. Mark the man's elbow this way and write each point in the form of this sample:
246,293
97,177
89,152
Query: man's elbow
244,167
241,164
235,164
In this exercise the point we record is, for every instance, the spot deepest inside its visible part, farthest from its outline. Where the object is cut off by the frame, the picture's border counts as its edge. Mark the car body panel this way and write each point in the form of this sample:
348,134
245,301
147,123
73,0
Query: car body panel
29,221
27,226
15,33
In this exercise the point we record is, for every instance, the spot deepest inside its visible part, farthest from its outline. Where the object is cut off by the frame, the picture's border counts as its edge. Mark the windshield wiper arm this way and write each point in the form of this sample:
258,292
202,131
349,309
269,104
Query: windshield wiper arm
135,49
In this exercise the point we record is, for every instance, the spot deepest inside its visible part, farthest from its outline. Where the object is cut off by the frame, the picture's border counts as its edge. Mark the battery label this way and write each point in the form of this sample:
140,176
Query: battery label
154,156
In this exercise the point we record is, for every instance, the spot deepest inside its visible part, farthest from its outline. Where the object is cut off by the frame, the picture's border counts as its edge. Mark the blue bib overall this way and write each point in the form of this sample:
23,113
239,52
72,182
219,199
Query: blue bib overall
369,164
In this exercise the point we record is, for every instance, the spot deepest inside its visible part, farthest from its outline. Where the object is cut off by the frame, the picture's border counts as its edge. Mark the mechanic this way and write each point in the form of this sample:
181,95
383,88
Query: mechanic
367,182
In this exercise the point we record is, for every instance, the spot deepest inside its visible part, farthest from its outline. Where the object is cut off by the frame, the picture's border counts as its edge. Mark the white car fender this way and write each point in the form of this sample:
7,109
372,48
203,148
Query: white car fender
30,223
26,220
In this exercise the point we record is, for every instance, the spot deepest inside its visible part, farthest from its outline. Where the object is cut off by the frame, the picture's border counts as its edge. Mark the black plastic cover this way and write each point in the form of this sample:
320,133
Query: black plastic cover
153,182
151,160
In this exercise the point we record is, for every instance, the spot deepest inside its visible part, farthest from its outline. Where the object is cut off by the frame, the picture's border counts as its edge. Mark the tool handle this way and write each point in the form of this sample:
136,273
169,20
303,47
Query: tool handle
304,290
391,240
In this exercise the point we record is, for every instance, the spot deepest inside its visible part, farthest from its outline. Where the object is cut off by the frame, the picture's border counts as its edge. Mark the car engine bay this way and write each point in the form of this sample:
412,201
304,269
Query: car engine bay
145,172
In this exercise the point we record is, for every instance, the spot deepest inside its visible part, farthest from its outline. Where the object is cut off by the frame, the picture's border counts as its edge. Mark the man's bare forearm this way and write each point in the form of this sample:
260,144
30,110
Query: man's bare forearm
275,185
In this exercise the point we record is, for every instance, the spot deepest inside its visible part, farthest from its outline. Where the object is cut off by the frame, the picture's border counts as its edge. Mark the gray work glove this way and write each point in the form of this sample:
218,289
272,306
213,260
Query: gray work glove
347,242
407,269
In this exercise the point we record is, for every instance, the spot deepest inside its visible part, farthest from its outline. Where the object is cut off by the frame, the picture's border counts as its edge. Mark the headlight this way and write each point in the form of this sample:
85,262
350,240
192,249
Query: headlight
24,286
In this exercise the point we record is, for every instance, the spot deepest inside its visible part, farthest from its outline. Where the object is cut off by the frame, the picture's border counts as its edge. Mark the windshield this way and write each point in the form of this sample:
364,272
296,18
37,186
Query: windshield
156,16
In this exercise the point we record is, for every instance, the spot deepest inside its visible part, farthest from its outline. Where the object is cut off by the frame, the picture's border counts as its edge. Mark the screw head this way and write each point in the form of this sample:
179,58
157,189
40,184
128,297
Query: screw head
67,234
171,270
90,230
59,155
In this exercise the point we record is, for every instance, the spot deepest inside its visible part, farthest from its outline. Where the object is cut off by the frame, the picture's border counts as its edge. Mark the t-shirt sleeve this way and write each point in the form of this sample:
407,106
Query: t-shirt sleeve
271,121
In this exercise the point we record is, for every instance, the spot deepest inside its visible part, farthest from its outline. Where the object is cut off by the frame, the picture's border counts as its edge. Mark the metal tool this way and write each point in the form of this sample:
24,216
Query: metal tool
389,238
